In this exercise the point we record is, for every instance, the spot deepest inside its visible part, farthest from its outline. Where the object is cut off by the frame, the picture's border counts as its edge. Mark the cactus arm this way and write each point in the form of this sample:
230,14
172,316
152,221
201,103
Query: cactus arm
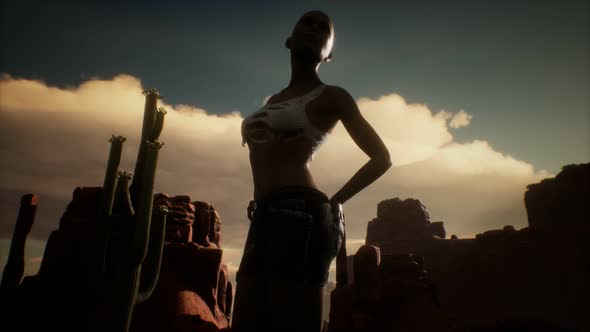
106,206
149,113
110,179
150,268
15,265
145,200
121,300
122,203
149,121
159,124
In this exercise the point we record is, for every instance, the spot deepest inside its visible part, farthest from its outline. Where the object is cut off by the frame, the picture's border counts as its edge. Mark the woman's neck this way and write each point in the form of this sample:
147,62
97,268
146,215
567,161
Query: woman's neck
303,73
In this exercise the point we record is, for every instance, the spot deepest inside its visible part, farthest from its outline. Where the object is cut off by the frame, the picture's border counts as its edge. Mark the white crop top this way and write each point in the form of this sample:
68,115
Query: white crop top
283,121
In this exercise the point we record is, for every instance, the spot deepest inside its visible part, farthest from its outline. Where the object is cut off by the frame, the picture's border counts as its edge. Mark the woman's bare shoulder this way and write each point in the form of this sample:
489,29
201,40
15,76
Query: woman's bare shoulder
337,91
341,101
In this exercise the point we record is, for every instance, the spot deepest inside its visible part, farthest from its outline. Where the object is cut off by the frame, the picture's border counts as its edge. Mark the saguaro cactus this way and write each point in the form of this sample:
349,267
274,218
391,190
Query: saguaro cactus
153,122
110,178
122,205
133,244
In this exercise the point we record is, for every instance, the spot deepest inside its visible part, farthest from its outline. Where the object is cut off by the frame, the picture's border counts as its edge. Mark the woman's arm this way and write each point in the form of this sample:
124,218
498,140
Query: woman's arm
367,140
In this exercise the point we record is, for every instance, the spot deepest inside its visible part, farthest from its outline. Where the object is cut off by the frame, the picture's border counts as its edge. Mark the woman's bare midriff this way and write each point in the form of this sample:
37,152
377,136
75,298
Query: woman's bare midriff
277,164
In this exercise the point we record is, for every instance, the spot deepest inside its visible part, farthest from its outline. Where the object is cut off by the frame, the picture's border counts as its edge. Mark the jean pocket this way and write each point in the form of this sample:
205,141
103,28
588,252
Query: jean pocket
288,242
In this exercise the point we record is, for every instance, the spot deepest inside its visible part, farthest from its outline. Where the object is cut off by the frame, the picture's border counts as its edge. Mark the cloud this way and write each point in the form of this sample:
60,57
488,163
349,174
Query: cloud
410,131
461,119
55,139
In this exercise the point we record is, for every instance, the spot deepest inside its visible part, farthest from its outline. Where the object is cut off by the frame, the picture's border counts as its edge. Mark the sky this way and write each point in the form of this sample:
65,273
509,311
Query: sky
474,100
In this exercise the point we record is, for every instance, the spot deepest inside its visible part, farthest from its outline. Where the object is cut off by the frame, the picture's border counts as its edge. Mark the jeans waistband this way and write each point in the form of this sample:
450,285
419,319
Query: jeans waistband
293,191
311,196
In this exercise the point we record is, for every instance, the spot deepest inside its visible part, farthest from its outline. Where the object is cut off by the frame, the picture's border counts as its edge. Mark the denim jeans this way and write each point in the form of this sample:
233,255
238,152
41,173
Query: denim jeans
292,240
293,236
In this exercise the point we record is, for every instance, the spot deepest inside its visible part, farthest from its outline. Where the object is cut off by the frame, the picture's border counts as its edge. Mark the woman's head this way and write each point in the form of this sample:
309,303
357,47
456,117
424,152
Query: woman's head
312,37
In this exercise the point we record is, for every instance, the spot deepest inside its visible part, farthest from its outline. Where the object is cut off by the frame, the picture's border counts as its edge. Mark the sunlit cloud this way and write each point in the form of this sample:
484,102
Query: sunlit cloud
460,119
55,139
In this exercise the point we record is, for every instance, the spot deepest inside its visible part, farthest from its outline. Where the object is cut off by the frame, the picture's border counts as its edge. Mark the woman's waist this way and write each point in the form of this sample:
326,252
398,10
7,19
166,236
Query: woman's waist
271,180
291,191
302,198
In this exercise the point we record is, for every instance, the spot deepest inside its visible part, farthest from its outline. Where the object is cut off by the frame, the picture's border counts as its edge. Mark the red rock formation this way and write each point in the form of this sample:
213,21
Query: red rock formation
192,291
180,218
186,297
208,225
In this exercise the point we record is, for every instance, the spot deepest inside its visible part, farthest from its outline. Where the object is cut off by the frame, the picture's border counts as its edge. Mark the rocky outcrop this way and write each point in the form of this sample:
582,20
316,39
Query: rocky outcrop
562,202
64,282
400,224
180,218
193,292
535,276
389,293
15,266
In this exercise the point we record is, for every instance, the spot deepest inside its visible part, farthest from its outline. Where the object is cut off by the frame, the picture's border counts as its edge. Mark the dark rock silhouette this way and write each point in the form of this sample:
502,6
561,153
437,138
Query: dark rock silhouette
192,294
407,277
535,278
388,293
15,266
562,202
405,220
63,283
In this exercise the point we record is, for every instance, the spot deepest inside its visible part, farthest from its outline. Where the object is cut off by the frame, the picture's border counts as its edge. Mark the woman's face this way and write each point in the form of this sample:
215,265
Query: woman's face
313,32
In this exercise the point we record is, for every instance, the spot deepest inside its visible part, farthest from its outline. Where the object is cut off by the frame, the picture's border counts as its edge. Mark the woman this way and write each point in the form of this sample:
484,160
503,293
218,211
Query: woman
295,230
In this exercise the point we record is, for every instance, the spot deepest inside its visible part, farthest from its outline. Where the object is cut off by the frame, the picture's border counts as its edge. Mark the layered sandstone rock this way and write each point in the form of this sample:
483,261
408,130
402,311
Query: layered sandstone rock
180,217
193,291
